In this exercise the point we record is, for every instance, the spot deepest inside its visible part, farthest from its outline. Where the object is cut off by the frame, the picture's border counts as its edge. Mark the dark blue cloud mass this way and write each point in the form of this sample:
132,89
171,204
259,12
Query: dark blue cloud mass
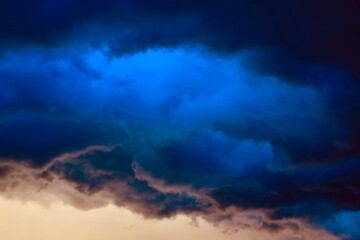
207,108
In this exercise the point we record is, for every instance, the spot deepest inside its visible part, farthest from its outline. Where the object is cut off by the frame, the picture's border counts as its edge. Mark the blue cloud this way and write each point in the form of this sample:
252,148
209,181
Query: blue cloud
188,117
345,222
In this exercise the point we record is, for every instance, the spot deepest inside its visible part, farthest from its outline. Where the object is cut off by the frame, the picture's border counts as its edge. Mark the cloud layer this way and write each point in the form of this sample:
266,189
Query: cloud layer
245,114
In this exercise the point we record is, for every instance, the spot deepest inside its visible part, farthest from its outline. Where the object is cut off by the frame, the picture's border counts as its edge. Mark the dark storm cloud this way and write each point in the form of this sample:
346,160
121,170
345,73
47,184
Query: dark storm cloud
321,32
249,142
38,118
247,181
38,139
207,108
112,171
198,189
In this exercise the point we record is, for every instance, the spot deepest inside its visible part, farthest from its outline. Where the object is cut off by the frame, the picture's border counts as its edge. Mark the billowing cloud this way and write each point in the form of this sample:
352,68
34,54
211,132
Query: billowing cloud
315,31
244,114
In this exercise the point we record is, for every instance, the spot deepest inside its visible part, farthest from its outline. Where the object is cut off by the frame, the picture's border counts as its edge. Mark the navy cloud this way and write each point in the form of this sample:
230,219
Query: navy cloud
185,117
321,32
152,92
205,107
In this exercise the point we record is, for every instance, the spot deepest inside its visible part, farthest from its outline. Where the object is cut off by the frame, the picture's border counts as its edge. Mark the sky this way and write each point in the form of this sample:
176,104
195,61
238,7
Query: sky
180,119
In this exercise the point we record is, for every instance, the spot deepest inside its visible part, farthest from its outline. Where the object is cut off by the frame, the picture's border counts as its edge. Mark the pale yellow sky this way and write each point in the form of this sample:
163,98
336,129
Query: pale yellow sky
30,221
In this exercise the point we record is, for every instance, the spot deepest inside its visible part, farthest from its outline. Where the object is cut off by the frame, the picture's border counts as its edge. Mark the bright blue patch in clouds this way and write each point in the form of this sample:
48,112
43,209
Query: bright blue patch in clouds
158,95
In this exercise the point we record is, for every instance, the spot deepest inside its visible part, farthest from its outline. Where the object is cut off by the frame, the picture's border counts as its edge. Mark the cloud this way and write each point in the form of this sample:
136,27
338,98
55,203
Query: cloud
77,179
244,114
216,136
322,32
